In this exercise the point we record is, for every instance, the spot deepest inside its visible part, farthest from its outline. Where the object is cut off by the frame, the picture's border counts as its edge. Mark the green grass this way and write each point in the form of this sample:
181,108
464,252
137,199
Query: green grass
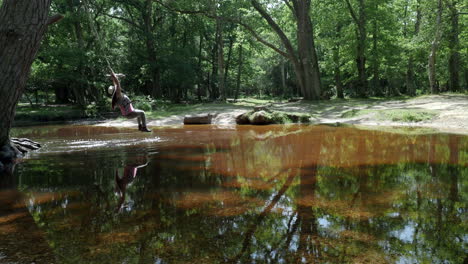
395,115
408,115
25,112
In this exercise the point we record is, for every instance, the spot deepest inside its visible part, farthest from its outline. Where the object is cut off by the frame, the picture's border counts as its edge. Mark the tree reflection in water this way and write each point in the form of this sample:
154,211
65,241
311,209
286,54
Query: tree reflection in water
277,194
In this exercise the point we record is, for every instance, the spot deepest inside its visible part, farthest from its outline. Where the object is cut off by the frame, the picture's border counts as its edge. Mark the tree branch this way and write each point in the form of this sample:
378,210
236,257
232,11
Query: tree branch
54,19
232,20
286,2
353,14
287,44
126,20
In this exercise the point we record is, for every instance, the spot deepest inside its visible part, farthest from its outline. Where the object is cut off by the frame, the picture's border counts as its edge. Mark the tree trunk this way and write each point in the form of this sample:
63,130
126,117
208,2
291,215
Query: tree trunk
410,85
239,72
228,65
375,60
306,49
147,14
283,78
410,80
337,62
304,60
212,87
77,86
199,68
361,34
433,53
22,26
337,73
454,46
220,45
361,50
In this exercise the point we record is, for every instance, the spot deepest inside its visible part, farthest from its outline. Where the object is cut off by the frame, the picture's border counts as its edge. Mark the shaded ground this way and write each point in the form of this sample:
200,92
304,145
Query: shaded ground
448,112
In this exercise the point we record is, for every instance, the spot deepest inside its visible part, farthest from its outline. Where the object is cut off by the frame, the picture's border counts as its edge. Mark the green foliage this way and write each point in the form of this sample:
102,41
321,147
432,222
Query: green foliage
26,113
144,103
173,55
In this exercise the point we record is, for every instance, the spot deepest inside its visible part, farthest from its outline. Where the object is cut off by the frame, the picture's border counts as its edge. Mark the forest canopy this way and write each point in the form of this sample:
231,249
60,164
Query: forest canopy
212,49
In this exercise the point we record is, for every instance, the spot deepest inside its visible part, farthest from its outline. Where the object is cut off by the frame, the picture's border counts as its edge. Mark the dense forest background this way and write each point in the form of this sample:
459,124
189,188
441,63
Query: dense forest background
212,49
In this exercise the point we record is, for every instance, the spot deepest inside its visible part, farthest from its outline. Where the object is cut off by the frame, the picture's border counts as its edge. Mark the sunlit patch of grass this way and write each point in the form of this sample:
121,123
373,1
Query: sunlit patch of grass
395,115
408,115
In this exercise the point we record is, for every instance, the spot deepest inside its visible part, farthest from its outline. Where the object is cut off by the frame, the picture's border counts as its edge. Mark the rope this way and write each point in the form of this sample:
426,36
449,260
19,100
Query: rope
96,34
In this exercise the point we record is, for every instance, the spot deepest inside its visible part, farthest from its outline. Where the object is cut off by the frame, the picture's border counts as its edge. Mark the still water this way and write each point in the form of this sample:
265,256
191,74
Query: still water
268,194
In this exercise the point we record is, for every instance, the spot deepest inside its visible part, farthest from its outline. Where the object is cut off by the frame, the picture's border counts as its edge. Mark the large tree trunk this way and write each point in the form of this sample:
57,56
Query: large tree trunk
304,60
22,26
306,49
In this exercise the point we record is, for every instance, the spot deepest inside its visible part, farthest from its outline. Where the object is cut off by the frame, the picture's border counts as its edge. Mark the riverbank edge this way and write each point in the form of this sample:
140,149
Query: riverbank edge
446,113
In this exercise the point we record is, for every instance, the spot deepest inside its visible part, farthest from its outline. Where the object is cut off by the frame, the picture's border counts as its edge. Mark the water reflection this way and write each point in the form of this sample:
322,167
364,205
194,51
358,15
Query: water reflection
121,183
277,194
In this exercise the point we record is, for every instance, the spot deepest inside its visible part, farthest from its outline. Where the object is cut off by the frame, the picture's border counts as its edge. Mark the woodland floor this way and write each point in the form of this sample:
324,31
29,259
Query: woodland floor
446,113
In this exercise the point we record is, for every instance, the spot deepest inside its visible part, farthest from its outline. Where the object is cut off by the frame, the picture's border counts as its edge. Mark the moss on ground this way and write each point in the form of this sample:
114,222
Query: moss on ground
276,117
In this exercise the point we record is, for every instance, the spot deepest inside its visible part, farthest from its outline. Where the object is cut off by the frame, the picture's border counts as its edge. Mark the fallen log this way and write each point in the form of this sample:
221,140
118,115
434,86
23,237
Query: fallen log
201,119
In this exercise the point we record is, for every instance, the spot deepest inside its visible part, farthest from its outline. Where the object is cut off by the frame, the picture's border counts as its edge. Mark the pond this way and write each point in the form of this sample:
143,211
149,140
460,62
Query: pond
265,194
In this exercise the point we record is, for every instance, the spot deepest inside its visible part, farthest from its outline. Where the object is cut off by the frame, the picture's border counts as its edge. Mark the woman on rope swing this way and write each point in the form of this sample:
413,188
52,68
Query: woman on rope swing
123,102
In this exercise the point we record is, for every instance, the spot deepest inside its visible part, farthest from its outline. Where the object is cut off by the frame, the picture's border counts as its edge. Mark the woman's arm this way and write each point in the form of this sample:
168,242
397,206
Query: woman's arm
116,82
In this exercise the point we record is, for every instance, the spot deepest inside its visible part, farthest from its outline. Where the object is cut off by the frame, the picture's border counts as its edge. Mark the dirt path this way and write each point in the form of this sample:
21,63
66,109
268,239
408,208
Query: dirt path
450,113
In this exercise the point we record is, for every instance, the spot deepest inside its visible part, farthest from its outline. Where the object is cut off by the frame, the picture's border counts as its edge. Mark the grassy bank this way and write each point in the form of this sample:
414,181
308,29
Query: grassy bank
398,109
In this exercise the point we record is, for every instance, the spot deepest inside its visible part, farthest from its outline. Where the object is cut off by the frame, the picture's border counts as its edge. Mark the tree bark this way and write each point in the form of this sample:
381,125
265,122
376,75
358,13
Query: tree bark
433,52
361,34
410,80
454,46
283,78
306,49
239,72
220,45
147,14
228,66
199,68
375,60
22,27
304,60
337,62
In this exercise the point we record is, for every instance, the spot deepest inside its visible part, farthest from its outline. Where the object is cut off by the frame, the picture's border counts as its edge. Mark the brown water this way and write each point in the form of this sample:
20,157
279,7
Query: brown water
269,194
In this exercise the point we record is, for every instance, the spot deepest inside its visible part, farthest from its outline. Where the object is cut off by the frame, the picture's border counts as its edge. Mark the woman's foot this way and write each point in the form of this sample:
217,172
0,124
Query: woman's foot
143,129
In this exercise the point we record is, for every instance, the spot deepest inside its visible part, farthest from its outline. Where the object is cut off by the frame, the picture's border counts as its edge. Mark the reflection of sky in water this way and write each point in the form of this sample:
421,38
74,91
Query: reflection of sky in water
323,222
407,260
406,234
